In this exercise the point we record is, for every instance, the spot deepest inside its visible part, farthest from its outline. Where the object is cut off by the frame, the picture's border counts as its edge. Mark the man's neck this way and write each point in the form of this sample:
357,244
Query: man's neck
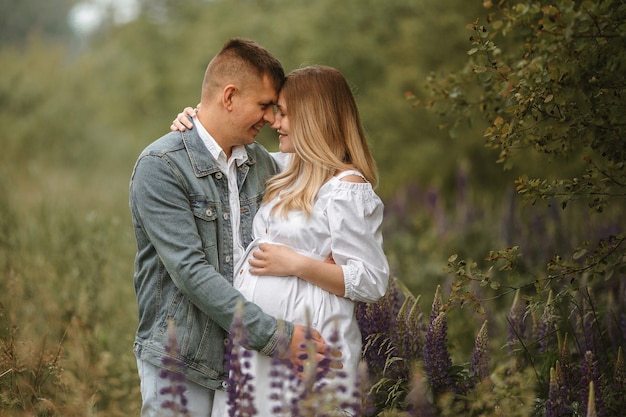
215,134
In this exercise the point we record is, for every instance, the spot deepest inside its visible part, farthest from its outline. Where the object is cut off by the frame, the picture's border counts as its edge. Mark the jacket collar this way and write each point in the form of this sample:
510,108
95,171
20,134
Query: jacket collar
201,159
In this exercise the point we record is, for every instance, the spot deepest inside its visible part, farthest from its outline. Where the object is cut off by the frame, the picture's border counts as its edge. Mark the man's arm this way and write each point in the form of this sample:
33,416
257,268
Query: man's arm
160,204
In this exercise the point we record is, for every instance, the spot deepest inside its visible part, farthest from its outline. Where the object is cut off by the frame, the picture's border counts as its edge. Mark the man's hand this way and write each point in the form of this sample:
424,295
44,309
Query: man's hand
301,346
182,121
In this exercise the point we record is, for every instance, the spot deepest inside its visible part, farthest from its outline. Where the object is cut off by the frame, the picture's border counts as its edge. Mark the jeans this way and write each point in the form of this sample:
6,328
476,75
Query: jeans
199,399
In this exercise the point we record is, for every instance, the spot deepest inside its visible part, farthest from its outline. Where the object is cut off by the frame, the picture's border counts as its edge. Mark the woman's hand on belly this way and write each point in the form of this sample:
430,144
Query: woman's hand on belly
279,260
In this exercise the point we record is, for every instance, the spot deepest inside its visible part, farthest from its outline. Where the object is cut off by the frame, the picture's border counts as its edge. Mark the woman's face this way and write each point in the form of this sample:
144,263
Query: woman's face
281,124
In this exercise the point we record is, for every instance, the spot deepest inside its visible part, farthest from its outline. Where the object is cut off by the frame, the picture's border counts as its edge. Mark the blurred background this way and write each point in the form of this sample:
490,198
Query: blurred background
86,85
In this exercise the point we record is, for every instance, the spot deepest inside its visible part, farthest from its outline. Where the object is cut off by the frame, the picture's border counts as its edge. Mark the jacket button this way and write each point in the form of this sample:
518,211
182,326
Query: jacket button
226,216
209,212
227,259
218,176
224,384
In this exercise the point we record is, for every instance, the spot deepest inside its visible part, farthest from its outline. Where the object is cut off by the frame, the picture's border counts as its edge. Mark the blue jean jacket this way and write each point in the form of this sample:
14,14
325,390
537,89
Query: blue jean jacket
184,263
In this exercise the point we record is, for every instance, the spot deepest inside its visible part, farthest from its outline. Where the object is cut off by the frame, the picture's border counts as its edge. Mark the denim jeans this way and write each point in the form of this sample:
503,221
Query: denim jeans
199,398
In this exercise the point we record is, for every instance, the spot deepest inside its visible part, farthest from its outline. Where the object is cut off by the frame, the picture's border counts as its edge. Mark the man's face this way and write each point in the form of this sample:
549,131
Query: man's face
252,109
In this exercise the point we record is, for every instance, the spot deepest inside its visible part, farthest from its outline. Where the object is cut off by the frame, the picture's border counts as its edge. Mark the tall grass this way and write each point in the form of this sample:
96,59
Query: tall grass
67,308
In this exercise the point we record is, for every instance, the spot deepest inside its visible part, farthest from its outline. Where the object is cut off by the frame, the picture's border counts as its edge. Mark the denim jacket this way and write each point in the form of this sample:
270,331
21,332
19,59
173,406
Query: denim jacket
184,262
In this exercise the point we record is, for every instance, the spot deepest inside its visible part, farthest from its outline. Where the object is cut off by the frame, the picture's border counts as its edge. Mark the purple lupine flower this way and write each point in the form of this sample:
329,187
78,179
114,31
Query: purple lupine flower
171,370
437,305
590,375
240,387
552,402
378,323
411,330
437,361
546,331
479,365
329,392
618,384
362,404
587,324
284,381
323,388
556,402
517,322
569,378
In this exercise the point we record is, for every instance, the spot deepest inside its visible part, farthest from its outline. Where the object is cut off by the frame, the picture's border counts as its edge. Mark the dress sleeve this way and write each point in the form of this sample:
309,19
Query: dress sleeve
355,215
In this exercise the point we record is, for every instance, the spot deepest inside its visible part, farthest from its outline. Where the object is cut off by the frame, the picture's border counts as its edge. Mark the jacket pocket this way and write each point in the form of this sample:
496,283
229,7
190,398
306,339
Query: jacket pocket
206,215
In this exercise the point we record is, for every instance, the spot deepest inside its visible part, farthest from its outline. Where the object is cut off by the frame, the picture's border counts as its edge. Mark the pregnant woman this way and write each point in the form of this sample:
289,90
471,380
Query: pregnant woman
321,205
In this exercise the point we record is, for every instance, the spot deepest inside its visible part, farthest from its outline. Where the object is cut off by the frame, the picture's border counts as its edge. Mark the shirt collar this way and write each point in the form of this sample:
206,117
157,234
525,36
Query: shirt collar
238,153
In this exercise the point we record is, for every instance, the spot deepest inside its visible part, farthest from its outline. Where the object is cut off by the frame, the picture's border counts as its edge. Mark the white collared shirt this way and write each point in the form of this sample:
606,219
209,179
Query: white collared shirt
229,168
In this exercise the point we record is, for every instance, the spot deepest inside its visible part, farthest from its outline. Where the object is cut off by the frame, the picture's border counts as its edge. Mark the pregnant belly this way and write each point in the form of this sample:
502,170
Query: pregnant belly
282,297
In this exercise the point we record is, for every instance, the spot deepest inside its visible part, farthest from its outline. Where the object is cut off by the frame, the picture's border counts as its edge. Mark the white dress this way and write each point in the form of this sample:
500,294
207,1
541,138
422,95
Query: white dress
346,221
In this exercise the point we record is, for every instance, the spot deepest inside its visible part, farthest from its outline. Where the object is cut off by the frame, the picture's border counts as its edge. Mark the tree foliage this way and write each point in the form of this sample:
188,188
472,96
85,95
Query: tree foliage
549,80
552,81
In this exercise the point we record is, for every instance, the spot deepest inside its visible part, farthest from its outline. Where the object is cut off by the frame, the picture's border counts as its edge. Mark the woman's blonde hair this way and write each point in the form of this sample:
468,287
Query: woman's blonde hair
327,135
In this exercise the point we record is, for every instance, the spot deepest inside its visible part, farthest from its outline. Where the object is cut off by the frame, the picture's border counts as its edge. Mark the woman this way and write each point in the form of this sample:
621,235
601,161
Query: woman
321,205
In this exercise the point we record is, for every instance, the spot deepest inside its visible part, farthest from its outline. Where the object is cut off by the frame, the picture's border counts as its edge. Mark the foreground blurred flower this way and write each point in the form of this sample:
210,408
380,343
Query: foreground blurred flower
171,371
240,387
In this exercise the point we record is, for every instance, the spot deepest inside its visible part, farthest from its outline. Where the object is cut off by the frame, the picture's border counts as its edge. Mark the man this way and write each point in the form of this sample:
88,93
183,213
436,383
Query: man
193,196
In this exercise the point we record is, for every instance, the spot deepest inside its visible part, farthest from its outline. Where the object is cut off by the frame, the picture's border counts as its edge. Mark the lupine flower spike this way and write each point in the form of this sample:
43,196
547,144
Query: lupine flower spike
479,366
517,326
437,361
546,330
171,371
555,403
240,382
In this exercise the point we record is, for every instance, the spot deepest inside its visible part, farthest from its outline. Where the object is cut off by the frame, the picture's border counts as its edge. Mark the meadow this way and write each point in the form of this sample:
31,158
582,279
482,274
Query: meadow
503,183
68,313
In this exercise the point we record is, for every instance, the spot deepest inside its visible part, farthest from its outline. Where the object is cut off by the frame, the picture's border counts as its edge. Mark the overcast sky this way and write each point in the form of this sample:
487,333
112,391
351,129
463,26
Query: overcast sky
87,15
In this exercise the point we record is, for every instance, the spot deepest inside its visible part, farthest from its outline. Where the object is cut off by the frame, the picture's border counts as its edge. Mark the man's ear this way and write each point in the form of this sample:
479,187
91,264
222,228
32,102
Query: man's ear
227,96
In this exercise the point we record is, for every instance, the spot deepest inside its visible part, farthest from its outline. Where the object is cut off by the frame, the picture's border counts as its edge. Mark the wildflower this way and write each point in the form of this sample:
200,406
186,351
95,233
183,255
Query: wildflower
411,330
437,360
479,365
618,385
555,404
437,305
569,378
590,376
171,371
546,331
378,325
516,319
240,386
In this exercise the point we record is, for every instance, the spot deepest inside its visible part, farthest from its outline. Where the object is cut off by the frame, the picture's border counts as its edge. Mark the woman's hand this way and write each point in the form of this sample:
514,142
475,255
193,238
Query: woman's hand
277,260
182,121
